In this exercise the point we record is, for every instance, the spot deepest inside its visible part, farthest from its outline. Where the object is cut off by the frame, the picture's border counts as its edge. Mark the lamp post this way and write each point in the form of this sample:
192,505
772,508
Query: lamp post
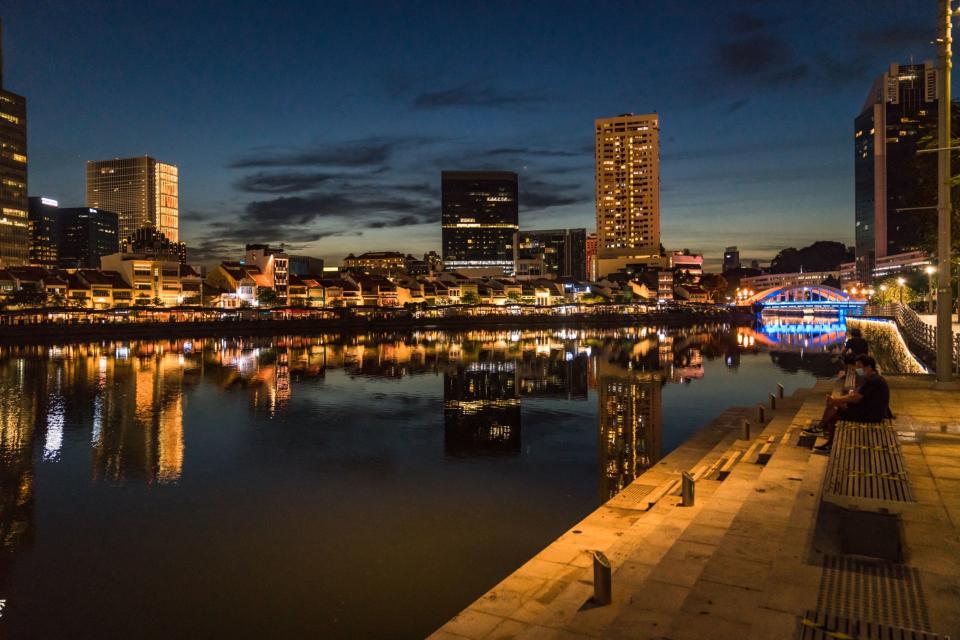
944,206
901,281
930,288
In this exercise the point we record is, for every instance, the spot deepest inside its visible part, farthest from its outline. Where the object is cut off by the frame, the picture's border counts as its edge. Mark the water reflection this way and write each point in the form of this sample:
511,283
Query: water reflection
124,413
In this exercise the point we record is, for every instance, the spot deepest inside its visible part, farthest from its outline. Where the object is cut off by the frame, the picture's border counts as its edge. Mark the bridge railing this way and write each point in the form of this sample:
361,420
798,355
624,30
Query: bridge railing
920,333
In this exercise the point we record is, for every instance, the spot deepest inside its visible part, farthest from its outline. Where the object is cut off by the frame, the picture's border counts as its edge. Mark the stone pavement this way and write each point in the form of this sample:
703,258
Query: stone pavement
755,551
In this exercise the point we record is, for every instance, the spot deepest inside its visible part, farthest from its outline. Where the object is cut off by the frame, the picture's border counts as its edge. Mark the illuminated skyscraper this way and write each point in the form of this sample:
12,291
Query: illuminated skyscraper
895,189
141,190
479,218
14,223
628,191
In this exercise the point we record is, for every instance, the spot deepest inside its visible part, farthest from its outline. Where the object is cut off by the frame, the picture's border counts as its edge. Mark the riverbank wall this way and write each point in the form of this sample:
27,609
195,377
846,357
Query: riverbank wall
79,332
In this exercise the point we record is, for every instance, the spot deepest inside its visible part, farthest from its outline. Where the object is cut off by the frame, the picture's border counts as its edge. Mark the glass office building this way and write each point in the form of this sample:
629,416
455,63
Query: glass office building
480,218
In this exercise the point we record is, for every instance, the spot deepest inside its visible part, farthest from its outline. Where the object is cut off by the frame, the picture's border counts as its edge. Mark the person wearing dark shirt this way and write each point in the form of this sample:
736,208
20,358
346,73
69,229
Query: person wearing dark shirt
870,402
856,345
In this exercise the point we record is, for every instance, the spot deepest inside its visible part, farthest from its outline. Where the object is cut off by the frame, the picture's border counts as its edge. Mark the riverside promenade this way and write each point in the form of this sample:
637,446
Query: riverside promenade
758,553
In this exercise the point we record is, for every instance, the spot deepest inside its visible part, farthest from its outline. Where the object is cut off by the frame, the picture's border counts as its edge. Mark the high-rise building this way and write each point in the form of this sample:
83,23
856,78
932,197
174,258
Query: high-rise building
561,251
731,259
14,221
141,190
895,188
628,192
479,220
86,234
44,216
70,237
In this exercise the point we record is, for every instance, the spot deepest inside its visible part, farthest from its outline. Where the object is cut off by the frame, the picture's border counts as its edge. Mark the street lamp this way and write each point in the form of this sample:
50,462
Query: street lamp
930,271
901,281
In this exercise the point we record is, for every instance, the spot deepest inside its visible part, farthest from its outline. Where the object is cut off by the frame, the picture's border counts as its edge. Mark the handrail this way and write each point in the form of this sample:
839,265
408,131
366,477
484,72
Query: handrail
919,332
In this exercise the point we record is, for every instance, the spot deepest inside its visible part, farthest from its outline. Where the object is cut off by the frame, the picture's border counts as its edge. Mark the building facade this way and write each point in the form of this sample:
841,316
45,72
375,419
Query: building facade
44,214
14,219
561,251
384,263
479,217
86,234
731,259
70,237
895,188
141,190
148,240
274,265
627,191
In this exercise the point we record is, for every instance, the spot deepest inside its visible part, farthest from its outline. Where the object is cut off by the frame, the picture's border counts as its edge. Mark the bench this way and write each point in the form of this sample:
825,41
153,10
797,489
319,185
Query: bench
815,625
866,471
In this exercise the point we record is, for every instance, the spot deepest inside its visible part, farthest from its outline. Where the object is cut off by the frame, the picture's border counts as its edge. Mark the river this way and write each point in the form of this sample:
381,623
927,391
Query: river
335,485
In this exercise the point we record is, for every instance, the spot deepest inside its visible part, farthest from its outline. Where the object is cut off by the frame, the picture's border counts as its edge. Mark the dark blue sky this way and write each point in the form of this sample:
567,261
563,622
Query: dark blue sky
326,125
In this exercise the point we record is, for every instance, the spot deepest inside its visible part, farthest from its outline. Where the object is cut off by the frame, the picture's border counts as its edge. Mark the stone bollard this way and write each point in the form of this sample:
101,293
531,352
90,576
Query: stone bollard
745,433
686,489
760,414
779,390
602,579
773,402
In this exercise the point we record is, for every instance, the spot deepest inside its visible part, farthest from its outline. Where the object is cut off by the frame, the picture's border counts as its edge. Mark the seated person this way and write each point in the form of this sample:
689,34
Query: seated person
868,403
846,382
856,345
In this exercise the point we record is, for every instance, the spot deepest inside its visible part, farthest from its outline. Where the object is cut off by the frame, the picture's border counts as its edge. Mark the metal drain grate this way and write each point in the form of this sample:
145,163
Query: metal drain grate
635,496
883,592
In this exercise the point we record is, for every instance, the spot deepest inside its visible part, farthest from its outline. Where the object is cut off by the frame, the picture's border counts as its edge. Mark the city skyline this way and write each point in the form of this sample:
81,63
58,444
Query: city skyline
333,149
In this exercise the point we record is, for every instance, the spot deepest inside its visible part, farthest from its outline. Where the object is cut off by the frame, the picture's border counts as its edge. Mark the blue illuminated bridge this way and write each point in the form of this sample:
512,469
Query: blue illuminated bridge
817,297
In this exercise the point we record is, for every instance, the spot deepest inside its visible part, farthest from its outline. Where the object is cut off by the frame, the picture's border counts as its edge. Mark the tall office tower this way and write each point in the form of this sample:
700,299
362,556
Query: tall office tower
895,188
86,234
731,259
141,190
561,251
44,232
479,219
14,222
628,192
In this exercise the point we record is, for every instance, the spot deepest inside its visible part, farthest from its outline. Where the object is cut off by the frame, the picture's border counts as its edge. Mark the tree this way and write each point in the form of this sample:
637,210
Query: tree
715,285
514,296
267,297
682,278
26,298
891,292
819,256
470,298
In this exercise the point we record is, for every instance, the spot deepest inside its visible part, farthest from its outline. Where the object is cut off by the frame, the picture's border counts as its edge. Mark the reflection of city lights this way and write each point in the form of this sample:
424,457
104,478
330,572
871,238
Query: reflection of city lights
123,353
54,437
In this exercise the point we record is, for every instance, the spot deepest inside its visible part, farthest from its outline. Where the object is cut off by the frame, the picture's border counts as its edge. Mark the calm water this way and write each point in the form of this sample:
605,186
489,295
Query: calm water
333,486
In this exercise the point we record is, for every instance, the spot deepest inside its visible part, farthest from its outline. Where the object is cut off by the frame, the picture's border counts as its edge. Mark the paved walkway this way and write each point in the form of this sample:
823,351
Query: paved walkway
754,552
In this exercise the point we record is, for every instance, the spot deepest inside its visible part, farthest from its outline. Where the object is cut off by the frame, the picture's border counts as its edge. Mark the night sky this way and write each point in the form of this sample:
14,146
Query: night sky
326,127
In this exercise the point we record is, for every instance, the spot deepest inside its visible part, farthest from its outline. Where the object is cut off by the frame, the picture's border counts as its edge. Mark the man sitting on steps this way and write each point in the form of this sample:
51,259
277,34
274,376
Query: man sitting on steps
869,403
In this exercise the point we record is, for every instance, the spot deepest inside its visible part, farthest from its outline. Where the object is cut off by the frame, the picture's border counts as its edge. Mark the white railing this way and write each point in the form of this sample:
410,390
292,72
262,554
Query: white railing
920,333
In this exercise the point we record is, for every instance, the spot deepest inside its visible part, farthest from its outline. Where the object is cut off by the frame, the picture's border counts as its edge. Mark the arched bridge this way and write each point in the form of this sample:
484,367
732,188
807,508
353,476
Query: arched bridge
804,297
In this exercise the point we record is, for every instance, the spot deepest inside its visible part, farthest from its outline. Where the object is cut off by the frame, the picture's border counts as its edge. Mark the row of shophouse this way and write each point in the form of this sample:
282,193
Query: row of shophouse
130,281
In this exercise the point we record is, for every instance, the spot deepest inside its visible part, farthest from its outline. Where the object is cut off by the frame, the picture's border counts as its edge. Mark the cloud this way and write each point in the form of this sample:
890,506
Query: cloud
471,95
736,105
537,194
896,36
314,206
744,22
367,152
289,182
759,56
532,151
